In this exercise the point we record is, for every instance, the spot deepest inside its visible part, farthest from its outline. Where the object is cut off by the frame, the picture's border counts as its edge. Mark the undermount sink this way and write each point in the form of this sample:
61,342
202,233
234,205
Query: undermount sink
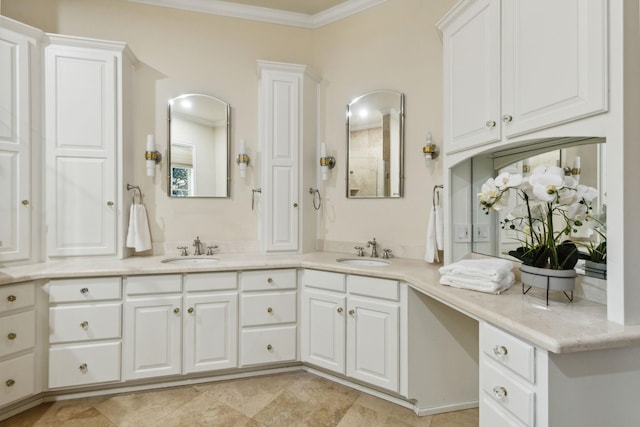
364,262
190,260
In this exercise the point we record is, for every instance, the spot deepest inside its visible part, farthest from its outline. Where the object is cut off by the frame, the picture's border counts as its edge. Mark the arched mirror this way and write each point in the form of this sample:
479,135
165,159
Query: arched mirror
375,144
199,142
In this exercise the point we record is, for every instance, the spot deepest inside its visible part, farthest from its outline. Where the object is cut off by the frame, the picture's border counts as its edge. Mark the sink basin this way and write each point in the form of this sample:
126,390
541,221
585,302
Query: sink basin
364,262
190,260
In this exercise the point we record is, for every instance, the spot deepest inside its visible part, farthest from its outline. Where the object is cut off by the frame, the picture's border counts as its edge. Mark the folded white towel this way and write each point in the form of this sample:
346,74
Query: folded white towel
431,254
492,269
493,287
138,235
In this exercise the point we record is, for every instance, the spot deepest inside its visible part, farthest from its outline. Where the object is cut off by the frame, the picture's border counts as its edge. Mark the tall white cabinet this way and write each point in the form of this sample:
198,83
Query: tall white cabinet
20,65
87,140
288,139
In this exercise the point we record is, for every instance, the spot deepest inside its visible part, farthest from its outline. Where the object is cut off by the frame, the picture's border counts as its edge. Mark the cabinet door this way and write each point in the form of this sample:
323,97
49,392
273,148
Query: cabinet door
15,147
280,116
472,77
211,332
554,62
152,342
322,338
80,135
373,337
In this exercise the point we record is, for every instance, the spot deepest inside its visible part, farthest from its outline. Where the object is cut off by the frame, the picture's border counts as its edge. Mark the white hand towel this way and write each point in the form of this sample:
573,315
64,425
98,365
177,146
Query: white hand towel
494,269
439,228
138,235
431,254
478,284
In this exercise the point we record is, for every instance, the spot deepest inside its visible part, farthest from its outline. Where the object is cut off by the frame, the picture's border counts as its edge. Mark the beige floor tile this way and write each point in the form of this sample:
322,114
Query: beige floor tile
393,411
466,418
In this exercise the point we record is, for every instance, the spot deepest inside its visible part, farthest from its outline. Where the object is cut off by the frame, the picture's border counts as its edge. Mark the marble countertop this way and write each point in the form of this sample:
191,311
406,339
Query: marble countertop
561,327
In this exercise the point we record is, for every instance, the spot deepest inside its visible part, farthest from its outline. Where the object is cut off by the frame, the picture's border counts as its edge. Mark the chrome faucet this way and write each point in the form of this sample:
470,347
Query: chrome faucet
374,247
196,244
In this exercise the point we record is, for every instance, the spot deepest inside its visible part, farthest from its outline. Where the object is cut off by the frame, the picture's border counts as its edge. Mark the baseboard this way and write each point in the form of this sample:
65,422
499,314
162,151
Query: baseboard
445,408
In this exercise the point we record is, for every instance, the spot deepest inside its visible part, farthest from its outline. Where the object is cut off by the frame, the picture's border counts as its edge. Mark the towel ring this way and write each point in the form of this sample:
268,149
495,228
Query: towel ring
136,191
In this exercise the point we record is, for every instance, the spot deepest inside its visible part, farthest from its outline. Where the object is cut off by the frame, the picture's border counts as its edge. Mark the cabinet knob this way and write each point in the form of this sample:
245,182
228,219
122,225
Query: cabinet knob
190,310
25,203
499,392
490,123
340,309
269,347
84,325
84,291
269,310
352,312
507,118
12,336
500,350
11,298
295,205
176,310
109,203
269,280
10,382
83,368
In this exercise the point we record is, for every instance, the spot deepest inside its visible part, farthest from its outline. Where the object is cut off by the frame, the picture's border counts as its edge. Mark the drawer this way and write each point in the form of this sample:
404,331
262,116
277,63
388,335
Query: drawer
268,345
374,287
84,322
265,309
17,296
17,332
265,280
508,393
211,281
494,416
159,284
84,364
76,290
324,280
509,351
17,378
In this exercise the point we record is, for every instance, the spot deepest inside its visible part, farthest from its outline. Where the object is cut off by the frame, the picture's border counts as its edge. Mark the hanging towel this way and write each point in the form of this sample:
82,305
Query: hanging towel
138,236
431,254
439,228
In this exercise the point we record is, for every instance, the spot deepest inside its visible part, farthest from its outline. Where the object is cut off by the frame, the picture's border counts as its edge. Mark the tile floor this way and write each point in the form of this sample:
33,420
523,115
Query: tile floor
290,399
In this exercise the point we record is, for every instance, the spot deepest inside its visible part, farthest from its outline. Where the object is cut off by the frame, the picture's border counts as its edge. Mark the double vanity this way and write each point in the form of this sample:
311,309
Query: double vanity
78,328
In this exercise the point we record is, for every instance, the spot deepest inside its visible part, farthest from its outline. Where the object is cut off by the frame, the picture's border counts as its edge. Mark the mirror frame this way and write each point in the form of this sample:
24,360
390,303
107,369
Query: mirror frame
227,109
401,146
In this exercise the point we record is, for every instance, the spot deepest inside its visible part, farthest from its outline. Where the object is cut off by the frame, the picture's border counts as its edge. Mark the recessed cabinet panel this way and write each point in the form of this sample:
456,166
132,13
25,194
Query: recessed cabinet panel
85,290
269,308
285,102
17,378
17,332
84,322
84,364
268,345
14,297
8,85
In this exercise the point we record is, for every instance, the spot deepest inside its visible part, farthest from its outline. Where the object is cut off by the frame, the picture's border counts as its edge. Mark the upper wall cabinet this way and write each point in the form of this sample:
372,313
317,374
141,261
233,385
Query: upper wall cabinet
19,130
516,66
87,145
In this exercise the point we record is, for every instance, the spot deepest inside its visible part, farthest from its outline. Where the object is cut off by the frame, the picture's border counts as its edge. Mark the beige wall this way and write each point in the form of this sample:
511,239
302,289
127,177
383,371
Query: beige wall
391,46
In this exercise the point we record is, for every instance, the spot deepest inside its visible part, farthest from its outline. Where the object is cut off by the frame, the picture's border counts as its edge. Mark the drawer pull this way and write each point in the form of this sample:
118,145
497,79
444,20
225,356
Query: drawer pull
352,312
11,298
83,368
500,350
269,310
12,336
10,383
340,309
190,310
499,392
269,347
490,124
84,325
269,280
507,118
84,291
176,310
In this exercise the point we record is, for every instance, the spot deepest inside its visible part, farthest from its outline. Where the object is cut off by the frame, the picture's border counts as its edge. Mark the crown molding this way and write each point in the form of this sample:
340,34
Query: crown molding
264,14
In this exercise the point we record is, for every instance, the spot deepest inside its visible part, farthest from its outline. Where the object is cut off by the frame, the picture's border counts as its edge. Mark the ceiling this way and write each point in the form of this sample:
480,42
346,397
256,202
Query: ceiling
298,13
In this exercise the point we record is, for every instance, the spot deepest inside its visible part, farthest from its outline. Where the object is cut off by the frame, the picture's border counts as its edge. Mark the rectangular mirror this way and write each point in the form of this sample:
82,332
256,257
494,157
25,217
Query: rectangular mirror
199,146
375,144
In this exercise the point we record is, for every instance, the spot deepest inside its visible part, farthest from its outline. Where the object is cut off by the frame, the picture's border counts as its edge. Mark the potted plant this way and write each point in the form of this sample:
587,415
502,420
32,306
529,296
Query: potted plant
550,206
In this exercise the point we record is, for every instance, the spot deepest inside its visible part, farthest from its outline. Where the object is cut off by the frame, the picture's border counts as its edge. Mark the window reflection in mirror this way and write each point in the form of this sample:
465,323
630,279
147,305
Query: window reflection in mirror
375,135
488,238
199,138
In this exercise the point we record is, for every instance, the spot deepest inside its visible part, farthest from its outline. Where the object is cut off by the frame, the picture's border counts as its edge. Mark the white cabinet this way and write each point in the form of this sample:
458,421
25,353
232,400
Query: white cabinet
88,146
511,67
17,342
268,316
85,330
19,132
356,334
287,129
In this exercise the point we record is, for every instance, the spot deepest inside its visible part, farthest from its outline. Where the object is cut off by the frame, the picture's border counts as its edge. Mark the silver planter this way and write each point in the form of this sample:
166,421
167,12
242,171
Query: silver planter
548,279
595,269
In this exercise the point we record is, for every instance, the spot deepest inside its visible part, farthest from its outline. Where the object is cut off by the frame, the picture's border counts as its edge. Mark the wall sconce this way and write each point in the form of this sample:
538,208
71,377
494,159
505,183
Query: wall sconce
326,162
526,167
152,156
430,151
243,159
575,171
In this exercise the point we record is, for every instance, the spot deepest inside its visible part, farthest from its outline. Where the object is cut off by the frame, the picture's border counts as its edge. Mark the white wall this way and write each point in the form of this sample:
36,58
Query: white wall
391,46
